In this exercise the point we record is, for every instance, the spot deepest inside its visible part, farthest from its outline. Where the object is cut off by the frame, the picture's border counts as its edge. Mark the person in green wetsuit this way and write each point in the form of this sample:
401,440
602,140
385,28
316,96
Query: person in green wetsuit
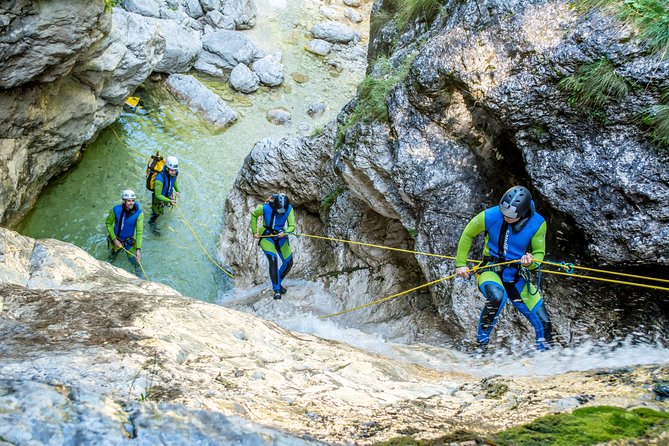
511,229
125,224
278,222
166,191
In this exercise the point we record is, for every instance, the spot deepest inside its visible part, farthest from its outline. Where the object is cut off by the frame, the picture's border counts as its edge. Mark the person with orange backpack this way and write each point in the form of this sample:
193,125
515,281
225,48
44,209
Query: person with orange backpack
166,189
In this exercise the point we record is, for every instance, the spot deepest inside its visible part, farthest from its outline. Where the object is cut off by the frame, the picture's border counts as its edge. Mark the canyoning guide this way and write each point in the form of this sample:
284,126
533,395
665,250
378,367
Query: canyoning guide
511,229
166,189
278,222
125,224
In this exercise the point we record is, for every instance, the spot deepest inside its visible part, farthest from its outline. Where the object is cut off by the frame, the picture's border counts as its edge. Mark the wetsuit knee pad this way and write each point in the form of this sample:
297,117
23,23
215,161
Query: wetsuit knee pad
493,293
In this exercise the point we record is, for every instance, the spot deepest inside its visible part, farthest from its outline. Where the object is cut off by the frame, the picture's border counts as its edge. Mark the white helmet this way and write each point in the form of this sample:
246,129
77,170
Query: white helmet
172,162
128,195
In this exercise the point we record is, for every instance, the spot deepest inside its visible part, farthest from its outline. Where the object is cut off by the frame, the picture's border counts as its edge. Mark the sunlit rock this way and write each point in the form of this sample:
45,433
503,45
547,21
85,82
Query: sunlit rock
201,100
269,70
319,46
243,79
335,32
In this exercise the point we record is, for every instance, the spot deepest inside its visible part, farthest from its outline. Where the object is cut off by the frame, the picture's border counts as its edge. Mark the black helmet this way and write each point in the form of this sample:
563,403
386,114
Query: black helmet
515,202
280,203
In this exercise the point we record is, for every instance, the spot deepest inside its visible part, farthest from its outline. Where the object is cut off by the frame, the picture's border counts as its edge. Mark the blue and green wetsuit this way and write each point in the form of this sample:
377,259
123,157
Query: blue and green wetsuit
504,242
127,226
275,247
165,186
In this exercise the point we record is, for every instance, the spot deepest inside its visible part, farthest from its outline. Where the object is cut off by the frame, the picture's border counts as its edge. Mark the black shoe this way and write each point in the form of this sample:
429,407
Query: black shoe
283,290
277,295
480,350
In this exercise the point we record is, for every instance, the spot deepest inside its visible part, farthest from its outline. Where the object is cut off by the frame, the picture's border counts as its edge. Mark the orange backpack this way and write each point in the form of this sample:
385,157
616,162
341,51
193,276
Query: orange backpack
154,167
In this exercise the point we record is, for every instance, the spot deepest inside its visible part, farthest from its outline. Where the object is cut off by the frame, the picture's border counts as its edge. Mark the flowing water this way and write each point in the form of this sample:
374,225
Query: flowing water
306,302
75,206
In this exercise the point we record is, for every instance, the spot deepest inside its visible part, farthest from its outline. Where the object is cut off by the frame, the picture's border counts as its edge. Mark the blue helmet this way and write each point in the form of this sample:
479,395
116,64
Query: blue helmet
280,203
515,202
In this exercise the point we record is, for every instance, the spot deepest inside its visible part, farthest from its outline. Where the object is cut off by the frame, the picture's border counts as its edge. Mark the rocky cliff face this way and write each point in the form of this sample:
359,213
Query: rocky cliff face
480,109
93,355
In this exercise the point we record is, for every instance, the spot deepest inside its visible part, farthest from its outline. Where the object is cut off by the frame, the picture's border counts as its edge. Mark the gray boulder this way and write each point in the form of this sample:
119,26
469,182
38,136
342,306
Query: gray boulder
335,32
226,49
147,8
353,15
193,8
243,79
200,99
210,5
242,12
279,116
182,47
219,21
320,47
269,70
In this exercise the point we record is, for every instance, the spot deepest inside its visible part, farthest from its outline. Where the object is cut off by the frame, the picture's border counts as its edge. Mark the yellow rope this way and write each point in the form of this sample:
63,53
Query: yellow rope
479,261
601,279
139,262
188,225
371,245
369,304
561,265
388,298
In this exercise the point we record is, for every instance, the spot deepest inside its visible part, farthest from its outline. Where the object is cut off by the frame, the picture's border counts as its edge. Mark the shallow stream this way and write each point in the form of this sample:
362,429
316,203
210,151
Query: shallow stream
75,206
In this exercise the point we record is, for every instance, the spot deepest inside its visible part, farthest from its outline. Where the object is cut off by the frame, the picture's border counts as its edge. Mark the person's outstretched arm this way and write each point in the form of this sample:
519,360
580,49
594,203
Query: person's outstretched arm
291,222
475,226
255,213
139,230
538,245
158,191
111,220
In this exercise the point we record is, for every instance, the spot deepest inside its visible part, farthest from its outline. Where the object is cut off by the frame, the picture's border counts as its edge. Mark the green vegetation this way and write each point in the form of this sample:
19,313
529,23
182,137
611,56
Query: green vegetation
372,93
594,85
585,426
656,117
329,199
651,17
109,4
318,131
409,11
405,12
589,425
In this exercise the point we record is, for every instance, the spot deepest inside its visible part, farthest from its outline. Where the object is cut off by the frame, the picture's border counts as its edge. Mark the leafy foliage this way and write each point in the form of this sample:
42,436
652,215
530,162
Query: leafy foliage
405,12
411,10
585,426
594,85
109,4
657,118
651,17
372,93
329,199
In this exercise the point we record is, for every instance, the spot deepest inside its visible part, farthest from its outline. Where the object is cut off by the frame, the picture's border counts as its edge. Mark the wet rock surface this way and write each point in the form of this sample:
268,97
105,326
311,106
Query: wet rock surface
87,344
